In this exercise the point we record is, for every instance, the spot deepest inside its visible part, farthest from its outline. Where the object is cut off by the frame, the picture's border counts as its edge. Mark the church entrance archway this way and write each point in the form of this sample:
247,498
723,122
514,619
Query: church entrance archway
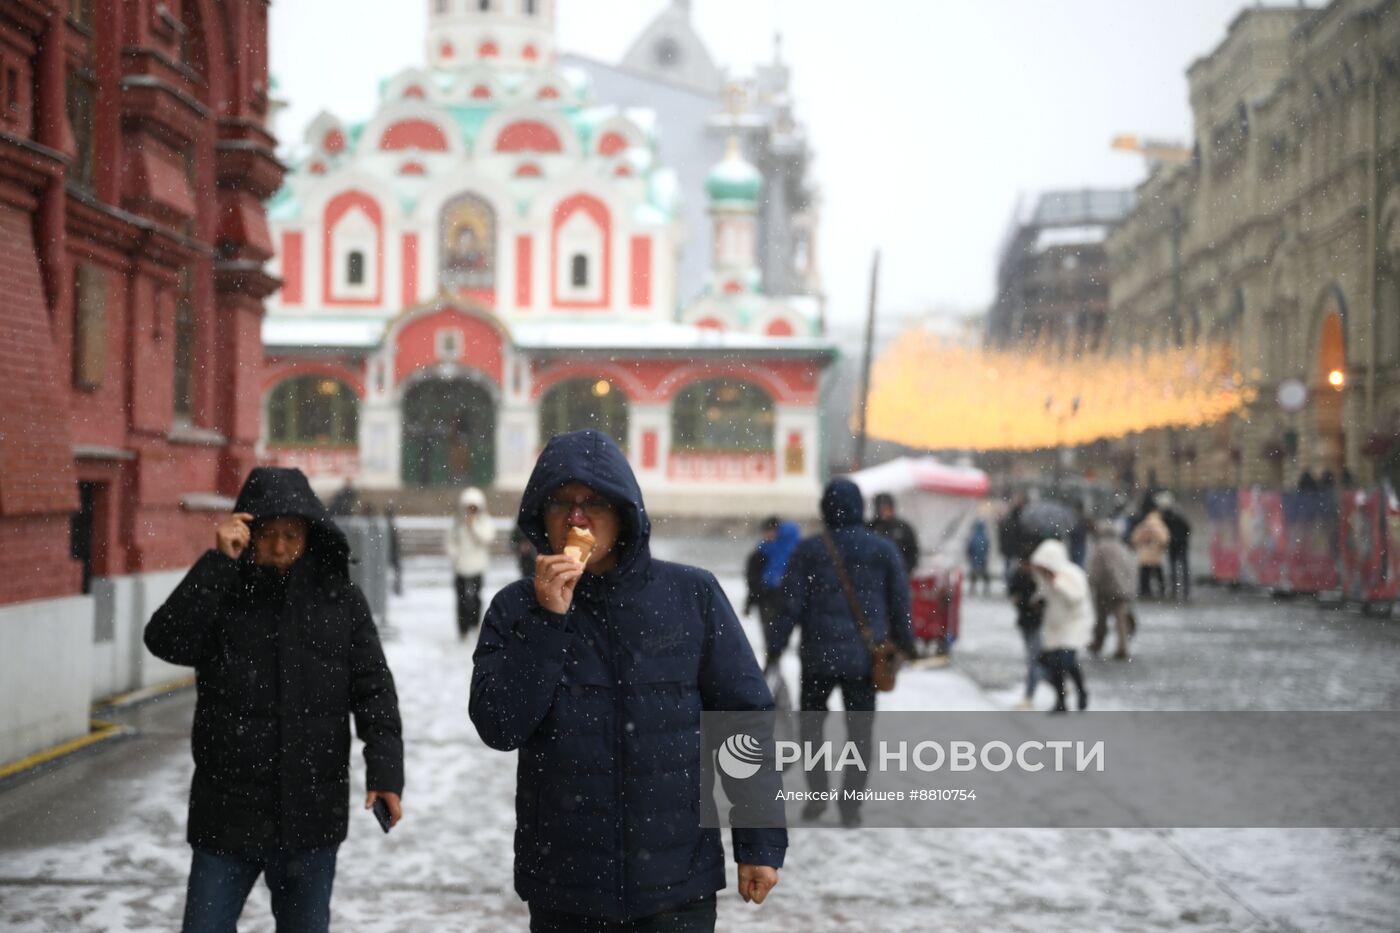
449,434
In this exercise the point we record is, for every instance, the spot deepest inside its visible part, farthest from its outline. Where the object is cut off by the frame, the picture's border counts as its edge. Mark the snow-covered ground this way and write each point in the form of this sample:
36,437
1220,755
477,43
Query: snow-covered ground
97,845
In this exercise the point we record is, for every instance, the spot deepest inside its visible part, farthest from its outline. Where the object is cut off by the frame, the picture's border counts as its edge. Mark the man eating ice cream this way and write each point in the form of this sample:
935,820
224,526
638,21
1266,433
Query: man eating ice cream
597,671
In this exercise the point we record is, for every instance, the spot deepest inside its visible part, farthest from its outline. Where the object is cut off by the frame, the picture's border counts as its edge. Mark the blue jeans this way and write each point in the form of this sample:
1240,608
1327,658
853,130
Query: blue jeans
1034,669
695,917
300,881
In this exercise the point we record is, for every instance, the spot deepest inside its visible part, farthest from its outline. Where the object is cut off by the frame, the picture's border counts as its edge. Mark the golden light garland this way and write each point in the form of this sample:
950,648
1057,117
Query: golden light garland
929,391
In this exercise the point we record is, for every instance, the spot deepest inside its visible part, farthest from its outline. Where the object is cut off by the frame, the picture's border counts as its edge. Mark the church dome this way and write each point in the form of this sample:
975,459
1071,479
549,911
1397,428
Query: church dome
734,178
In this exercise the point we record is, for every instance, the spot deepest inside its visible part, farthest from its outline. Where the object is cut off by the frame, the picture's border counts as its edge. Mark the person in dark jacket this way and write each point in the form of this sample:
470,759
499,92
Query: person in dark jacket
979,551
1179,550
285,653
764,569
833,653
597,672
1011,539
1030,616
897,530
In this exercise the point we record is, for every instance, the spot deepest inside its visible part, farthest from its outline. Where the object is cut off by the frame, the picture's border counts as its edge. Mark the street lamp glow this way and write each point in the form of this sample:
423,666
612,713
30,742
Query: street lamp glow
1337,379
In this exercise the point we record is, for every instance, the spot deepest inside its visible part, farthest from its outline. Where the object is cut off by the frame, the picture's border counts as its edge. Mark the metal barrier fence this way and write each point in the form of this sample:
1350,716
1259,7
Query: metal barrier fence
371,565
1343,542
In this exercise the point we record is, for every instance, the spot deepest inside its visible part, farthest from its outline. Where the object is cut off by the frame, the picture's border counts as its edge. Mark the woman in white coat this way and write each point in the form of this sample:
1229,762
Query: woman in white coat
1069,618
469,550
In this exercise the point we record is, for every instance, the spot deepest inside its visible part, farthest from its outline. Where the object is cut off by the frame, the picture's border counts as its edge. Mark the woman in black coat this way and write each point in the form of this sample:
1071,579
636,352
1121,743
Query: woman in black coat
285,652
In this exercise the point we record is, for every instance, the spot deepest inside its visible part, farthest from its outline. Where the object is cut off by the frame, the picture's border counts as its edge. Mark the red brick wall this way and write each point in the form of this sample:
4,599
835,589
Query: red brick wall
124,426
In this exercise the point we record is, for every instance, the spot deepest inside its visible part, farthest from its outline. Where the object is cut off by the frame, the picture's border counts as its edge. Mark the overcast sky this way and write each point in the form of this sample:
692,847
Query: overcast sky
929,118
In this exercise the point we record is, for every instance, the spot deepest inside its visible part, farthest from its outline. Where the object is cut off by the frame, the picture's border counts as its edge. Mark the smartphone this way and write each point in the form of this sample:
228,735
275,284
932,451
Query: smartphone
381,813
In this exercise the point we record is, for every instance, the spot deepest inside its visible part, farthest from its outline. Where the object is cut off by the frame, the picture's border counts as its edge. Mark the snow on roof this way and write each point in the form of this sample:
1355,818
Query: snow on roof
346,333
540,335
1069,236
924,474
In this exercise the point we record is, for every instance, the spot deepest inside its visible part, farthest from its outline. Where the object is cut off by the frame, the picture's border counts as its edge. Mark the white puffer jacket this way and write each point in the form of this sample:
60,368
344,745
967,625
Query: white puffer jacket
469,540
1069,615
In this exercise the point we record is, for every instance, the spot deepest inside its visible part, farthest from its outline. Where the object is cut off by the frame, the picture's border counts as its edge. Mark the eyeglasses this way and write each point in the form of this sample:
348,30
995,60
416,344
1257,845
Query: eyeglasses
593,507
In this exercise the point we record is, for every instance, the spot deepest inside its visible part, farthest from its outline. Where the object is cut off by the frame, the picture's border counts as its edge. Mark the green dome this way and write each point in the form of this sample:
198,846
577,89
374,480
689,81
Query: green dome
734,178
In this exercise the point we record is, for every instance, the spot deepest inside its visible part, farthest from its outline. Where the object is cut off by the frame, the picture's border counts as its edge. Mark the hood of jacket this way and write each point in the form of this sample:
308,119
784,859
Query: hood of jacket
1052,555
594,459
842,504
472,496
270,492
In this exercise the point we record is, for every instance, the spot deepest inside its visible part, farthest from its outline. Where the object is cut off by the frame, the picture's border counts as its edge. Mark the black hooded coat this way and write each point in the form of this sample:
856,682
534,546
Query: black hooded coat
282,664
604,706
814,599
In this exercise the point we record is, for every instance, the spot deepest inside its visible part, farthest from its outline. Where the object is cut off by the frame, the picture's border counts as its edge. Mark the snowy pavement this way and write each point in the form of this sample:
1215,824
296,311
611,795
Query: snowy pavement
97,844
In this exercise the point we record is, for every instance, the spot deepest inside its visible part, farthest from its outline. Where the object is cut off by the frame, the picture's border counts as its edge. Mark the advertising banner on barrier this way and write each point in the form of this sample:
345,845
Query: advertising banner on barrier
1262,542
1223,517
1370,542
1311,526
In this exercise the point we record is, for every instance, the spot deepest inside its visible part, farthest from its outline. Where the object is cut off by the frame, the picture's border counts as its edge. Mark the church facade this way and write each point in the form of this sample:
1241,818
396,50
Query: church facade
491,259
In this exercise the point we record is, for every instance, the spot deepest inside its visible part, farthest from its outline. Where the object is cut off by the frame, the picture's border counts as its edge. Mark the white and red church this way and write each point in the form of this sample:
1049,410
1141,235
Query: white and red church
491,260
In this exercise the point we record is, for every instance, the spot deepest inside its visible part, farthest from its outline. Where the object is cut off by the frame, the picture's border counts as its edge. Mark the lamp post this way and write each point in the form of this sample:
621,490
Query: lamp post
1061,419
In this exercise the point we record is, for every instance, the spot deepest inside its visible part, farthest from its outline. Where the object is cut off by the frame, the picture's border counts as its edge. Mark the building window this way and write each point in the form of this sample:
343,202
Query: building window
723,416
89,326
355,268
442,6
184,347
484,6
584,403
81,99
313,411
532,7
578,271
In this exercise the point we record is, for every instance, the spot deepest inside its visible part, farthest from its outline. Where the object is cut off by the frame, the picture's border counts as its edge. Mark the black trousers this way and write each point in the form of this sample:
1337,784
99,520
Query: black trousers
468,604
858,695
1060,663
695,917
1180,564
1147,576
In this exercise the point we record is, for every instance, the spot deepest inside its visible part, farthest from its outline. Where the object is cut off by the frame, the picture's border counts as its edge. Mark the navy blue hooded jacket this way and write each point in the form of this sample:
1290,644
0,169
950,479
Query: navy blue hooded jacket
604,705
813,598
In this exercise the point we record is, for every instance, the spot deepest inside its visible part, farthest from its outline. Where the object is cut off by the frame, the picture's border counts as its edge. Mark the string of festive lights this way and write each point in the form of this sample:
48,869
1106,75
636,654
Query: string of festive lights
933,392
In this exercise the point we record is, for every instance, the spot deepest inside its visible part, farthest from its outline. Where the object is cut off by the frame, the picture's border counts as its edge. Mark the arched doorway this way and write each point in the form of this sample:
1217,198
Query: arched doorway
1329,390
449,434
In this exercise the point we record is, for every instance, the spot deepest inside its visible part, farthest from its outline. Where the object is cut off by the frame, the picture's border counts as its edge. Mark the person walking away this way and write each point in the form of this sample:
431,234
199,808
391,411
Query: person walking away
1065,629
1113,575
1010,538
597,671
887,523
764,569
833,651
1151,539
346,501
524,552
1030,615
391,519
469,549
1078,540
979,551
285,653
1179,548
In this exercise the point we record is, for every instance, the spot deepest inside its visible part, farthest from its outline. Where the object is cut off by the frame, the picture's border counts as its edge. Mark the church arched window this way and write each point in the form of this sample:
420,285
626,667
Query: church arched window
313,411
584,403
355,268
723,416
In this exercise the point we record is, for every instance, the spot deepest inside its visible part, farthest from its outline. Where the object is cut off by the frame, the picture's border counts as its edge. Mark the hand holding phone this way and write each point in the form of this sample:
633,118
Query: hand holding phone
386,808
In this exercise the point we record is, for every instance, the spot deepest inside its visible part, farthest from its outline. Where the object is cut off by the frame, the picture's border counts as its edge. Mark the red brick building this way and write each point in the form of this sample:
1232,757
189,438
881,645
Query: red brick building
133,166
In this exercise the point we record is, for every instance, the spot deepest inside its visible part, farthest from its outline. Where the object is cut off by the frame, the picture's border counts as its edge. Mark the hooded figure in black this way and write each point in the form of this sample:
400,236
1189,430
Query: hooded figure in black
599,677
833,653
285,653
